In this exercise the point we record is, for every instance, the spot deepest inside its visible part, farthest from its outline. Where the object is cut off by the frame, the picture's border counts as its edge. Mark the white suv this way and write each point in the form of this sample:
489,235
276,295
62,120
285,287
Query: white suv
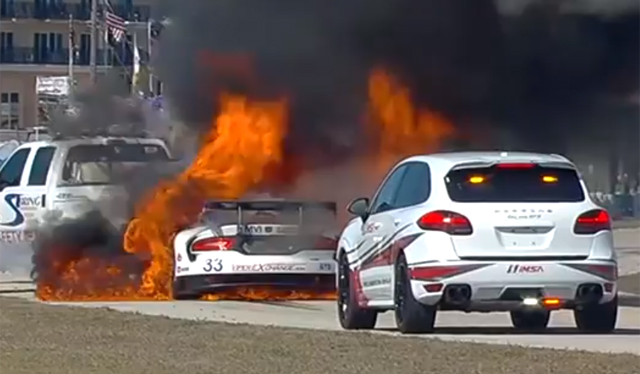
478,231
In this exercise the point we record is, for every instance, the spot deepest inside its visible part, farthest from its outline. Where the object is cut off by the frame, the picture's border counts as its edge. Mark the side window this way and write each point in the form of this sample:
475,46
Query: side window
12,169
415,186
41,166
384,199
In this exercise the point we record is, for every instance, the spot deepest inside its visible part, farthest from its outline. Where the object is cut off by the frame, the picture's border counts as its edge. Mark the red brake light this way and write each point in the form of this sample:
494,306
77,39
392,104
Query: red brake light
213,244
326,243
449,222
507,165
592,222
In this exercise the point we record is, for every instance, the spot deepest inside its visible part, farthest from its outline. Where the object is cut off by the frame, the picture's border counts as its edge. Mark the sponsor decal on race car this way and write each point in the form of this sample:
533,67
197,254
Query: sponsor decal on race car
179,257
326,266
525,269
265,268
213,265
181,269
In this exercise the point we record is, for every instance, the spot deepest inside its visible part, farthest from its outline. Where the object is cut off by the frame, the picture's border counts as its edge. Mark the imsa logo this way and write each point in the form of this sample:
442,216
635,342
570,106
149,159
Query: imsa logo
525,269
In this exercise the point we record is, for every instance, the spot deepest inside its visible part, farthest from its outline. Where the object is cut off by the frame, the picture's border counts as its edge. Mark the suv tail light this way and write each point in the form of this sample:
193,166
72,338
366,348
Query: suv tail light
213,244
515,165
326,243
592,222
446,221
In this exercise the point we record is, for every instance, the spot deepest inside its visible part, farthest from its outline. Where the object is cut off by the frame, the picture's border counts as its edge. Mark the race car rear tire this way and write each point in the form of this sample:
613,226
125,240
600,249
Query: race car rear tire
350,314
180,292
411,316
597,318
530,320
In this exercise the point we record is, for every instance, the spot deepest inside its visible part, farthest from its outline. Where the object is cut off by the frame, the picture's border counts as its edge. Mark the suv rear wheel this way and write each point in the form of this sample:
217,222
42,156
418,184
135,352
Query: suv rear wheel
412,317
597,317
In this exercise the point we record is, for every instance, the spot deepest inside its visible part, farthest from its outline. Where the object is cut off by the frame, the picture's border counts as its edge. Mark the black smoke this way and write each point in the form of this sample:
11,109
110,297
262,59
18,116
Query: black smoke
535,75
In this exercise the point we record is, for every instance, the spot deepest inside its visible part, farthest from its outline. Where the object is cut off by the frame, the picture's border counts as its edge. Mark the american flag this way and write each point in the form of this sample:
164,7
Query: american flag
115,23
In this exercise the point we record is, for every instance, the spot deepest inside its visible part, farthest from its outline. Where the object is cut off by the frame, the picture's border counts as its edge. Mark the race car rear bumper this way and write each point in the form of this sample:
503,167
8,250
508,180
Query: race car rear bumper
201,284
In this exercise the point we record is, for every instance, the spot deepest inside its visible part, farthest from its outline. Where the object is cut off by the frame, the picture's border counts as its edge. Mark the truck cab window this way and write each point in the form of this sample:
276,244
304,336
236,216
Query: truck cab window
41,166
11,172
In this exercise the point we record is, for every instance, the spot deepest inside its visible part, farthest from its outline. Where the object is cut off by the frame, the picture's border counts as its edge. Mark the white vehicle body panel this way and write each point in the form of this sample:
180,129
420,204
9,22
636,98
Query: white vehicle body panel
535,236
233,262
25,205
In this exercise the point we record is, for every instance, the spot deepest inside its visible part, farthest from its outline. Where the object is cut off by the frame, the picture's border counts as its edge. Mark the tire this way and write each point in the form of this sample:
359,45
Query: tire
180,292
600,318
412,317
350,314
530,320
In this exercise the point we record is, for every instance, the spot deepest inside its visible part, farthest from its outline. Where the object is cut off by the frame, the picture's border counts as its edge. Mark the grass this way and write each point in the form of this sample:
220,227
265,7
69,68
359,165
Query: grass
38,338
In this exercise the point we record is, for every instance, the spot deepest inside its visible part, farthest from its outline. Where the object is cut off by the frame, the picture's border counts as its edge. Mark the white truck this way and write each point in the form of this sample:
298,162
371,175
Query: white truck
43,181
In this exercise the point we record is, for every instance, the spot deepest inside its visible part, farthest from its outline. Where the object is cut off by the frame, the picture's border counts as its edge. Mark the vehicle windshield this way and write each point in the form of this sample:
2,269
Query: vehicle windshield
97,164
514,185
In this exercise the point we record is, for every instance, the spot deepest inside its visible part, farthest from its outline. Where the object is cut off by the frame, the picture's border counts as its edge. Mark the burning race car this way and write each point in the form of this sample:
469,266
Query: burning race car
274,243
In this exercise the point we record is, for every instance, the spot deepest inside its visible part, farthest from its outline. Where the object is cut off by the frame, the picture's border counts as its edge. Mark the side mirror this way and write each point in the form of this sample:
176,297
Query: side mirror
359,207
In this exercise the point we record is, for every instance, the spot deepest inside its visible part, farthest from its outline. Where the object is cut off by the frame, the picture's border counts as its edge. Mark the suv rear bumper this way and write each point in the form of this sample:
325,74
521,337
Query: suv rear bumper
504,286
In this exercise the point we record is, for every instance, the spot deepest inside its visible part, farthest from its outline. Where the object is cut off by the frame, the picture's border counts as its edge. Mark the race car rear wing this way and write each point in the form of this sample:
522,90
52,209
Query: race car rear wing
241,206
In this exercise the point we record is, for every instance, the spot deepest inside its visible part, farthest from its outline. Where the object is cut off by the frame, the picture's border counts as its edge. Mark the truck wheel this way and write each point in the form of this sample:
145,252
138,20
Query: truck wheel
598,317
350,314
530,320
412,317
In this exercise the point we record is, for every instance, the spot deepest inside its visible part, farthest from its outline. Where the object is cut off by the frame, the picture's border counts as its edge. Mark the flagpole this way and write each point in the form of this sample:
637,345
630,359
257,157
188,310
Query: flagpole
94,42
135,71
150,75
72,49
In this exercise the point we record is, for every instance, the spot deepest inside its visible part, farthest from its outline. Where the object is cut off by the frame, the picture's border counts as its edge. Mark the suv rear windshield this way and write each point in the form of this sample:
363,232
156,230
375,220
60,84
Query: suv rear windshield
528,184
103,163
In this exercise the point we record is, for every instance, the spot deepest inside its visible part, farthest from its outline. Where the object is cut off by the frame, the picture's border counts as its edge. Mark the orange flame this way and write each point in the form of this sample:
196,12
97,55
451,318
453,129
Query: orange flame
401,129
242,150
246,138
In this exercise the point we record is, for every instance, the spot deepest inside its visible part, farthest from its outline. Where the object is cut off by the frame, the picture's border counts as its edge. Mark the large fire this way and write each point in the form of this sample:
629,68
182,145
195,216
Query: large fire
245,142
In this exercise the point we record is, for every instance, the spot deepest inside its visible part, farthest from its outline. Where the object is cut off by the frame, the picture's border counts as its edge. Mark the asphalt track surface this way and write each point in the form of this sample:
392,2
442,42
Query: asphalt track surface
494,328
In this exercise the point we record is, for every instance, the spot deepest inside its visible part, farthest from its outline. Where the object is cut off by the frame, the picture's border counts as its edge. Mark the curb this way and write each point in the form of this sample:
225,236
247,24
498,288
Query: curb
628,299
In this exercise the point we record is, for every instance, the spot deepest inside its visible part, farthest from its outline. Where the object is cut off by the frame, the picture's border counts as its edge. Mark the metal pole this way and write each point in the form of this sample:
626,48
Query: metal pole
94,42
72,51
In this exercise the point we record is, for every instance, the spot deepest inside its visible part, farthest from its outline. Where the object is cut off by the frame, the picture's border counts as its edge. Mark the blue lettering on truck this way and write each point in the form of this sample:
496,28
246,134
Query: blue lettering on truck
17,202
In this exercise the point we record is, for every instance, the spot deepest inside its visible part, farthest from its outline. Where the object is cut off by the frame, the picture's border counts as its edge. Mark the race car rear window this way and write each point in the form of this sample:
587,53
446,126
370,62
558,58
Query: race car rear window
514,184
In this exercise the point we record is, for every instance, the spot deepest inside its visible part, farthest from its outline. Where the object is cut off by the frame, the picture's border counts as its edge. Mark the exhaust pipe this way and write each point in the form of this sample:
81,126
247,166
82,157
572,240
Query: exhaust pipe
589,293
457,294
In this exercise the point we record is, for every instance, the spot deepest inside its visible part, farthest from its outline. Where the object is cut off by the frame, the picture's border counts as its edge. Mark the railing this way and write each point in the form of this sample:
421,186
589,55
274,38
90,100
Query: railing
33,56
62,10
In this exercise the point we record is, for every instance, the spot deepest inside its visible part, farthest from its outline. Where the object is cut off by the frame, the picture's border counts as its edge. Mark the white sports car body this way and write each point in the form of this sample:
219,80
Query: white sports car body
476,231
277,243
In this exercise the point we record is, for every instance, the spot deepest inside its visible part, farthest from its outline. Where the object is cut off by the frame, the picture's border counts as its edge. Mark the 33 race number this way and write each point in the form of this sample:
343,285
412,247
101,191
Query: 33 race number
212,264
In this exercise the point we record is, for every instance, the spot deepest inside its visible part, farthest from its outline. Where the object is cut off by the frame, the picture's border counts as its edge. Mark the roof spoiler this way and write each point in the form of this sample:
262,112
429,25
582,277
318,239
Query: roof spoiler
270,204
487,164
241,206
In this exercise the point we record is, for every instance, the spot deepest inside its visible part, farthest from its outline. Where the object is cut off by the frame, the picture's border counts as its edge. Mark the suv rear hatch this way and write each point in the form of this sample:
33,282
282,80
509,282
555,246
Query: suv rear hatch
519,211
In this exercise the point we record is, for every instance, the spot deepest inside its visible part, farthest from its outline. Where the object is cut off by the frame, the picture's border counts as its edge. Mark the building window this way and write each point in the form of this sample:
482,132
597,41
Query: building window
9,110
6,46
